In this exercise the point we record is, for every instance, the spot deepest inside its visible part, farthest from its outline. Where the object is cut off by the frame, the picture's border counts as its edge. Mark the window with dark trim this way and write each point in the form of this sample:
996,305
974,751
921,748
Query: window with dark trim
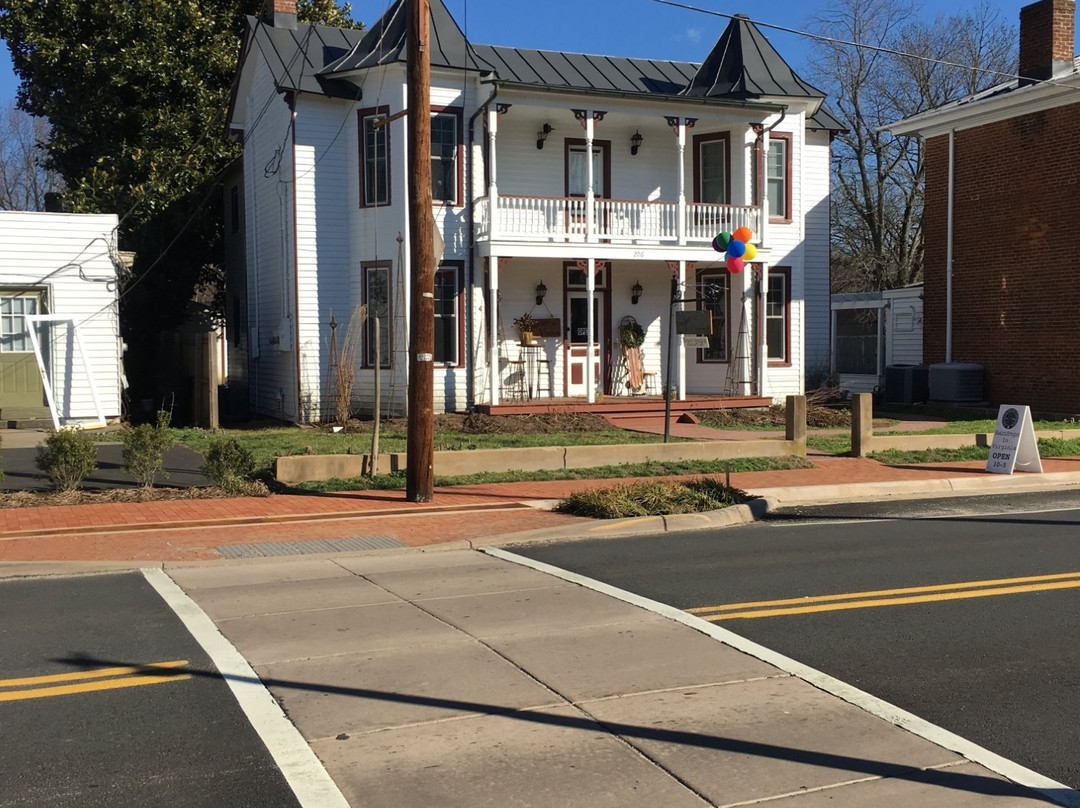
374,158
778,317
712,168
778,177
713,293
377,300
449,313
446,147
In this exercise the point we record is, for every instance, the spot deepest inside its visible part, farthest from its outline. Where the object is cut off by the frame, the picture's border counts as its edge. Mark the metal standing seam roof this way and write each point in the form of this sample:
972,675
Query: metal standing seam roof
297,56
742,66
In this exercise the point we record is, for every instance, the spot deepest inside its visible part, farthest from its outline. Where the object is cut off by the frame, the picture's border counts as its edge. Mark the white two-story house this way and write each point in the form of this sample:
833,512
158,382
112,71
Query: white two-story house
580,190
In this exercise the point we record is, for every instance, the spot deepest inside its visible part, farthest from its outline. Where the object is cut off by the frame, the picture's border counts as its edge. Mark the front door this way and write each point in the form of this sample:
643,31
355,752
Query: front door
578,345
20,379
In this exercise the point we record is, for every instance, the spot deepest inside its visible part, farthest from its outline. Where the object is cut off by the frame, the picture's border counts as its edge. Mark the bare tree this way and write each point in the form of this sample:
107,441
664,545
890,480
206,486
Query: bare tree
910,65
24,180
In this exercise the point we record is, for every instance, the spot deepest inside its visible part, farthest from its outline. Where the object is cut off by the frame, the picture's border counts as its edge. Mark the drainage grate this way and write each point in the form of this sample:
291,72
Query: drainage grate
288,548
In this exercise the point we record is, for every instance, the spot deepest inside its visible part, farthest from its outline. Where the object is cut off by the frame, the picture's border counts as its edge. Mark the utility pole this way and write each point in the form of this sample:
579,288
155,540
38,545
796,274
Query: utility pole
419,458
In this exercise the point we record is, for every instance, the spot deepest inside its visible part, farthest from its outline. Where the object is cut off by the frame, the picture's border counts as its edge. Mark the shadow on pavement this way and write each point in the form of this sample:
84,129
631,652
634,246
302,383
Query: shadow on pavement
183,465
970,783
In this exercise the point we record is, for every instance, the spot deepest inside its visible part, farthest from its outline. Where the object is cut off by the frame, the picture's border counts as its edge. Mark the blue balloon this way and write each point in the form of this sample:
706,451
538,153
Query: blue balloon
736,248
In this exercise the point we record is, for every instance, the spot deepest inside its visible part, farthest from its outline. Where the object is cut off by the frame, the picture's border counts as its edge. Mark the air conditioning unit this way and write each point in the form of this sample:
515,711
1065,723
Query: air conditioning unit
907,384
957,383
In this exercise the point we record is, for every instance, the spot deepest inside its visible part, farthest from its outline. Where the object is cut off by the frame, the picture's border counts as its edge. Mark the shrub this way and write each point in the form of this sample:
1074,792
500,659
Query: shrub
651,498
144,449
229,464
66,457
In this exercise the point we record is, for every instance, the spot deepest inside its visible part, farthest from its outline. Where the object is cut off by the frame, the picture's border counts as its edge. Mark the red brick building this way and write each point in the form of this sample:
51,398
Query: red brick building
1002,223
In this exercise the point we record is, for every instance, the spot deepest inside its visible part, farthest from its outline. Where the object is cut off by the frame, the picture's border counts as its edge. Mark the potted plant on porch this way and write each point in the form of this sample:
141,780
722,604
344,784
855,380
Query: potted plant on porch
526,326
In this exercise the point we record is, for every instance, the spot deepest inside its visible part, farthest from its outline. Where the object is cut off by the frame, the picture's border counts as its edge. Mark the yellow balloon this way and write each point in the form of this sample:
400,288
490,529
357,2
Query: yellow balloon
751,253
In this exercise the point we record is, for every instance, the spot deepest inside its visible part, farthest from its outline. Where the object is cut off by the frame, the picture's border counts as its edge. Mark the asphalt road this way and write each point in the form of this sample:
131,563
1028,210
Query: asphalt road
999,668
174,736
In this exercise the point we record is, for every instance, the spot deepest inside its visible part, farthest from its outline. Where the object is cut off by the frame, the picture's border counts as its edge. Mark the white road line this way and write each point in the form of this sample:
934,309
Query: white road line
303,771
1051,789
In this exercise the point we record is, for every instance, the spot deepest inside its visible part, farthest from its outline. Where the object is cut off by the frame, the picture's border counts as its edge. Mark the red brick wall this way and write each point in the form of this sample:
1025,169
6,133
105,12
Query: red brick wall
1016,257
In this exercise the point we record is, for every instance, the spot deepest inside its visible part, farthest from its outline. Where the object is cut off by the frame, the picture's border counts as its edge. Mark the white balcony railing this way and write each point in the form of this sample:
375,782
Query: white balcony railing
551,219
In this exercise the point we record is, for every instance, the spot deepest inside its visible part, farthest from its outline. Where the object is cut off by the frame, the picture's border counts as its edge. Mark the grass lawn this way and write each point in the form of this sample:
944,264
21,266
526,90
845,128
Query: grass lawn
267,443
1048,447
650,469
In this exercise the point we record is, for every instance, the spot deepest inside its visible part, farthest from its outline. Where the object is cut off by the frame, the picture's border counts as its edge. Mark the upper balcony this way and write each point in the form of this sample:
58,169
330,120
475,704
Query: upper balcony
539,219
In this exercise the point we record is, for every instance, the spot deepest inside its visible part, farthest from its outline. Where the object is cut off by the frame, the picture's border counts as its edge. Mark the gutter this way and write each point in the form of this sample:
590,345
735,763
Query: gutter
470,163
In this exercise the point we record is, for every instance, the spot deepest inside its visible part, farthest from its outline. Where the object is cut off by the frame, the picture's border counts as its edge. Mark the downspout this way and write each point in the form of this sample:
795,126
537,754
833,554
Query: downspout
296,267
470,392
949,247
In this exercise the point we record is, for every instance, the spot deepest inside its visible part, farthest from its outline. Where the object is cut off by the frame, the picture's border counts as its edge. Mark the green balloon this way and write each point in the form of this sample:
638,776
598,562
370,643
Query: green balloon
723,238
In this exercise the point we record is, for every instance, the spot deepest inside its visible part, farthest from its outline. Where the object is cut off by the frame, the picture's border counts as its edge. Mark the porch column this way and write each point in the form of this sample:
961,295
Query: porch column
763,355
745,340
590,359
680,132
493,328
493,188
590,202
681,353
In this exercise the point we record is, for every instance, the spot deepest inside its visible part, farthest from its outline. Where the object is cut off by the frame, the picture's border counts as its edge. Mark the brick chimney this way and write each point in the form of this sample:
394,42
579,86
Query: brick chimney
282,13
1046,39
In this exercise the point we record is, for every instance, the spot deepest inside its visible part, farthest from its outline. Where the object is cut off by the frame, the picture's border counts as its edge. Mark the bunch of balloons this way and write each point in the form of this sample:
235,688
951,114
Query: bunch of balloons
737,247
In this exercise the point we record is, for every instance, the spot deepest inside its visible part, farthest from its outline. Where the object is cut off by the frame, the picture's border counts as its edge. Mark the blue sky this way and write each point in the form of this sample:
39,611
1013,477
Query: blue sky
641,28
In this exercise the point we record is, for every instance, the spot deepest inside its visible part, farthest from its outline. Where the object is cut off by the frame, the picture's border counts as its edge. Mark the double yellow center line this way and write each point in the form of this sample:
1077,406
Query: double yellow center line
65,684
887,597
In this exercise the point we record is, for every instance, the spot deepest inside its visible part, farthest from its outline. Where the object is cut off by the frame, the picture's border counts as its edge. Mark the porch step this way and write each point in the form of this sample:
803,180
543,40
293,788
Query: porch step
28,423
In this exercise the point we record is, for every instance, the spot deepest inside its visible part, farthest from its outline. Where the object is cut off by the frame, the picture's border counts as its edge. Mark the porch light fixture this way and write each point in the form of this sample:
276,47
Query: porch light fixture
541,290
541,136
635,292
635,142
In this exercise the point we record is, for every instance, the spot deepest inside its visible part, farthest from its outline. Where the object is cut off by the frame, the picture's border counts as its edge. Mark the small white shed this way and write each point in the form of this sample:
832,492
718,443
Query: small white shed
875,330
60,346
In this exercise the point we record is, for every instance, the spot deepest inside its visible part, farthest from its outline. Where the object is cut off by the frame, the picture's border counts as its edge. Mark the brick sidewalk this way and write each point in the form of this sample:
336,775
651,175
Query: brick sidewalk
193,529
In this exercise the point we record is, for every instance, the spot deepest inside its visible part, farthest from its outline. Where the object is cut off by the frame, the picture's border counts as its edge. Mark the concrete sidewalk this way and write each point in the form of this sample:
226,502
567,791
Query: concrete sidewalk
459,679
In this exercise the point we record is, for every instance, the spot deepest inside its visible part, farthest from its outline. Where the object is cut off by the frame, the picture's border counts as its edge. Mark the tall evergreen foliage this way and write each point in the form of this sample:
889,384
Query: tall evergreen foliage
135,94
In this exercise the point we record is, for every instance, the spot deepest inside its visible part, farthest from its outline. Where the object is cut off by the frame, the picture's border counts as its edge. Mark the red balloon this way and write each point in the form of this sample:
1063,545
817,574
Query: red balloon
735,265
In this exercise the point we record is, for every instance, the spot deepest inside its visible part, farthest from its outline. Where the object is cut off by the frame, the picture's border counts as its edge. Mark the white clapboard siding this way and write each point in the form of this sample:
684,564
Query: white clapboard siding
268,171
68,256
815,184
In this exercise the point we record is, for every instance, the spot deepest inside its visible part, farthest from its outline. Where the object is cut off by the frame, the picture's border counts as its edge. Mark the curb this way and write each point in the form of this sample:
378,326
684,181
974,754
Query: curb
768,500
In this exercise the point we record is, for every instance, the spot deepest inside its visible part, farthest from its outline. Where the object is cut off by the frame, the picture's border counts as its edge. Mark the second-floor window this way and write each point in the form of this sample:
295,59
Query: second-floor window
374,158
777,177
444,162
711,181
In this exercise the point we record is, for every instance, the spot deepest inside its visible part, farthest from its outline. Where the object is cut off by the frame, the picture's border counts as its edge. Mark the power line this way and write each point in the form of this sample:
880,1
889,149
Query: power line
834,40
